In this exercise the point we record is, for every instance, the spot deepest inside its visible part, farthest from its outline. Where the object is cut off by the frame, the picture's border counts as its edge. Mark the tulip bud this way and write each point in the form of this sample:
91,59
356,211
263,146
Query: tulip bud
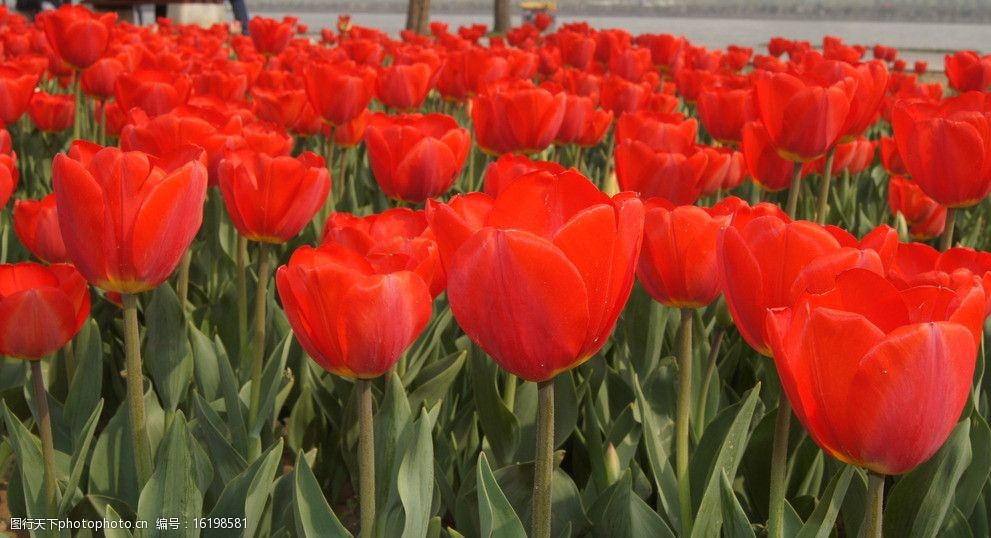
613,469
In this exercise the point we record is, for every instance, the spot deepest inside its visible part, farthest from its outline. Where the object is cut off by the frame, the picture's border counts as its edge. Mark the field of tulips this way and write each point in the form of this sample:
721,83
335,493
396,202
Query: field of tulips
561,282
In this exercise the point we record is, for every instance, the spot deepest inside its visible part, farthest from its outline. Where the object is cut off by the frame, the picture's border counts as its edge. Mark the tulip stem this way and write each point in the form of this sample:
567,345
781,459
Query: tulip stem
509,391
44,421
366,458
822,207
77,119
182,284
946,240
779,466
258,344
710,369
543,468
793,191
683,419
135,389
875,503
242,294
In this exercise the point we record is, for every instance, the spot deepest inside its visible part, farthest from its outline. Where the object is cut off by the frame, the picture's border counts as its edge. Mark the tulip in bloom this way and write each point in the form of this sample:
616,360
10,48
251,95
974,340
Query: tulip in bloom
678,262
803,119
766,167
270,199
415,157
269,35
539,280
502,171
404,86
126,222
926,218
155,92
672,176
100,79
41,308
517,117
9,174
16,90
36,225
968,71
339,92
352,320
947,147
661,132
52,113
725,110
854,358
77,35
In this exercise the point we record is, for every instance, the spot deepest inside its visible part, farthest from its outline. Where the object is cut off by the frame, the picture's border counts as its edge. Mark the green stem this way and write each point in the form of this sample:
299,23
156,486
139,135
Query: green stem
258,342
351,183
242,294
135,389
822,206
44,421
366,458
793,191
182,286
946,240
543,469
509,391
875,503
710,369
779,466
683,418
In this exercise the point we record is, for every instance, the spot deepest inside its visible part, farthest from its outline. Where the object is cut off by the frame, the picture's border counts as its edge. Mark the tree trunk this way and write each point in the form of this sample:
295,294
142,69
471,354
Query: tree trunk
423,22
413,14
501,16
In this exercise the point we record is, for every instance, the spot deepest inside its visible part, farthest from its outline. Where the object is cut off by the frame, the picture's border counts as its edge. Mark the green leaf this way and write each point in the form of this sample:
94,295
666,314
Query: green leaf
497,519
438,377
118,532
415,480
167,354
273,380
247,495
311,513
30,466
499,424
208,427
80,454
956,526
172,491
735,522
820,524
618,513
87,383
660,465
976,476
235,409
920,501
206,367
565,413
708,519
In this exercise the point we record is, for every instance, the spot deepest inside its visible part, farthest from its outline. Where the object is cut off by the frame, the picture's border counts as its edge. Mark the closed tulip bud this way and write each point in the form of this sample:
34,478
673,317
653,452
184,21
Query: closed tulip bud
126,221
41,308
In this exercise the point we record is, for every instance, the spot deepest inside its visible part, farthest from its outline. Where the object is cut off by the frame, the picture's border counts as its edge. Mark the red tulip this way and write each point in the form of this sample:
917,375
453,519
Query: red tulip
583,125
724,170
724,111
851,157
661,132
803,119
517,117
767,263
269,35
352,133
52,113
767,168
155,92
672,176
539,281
415,157
890,158
396,239
947,148
41,308
967,71
853,359
622,96
404,86
352,320
16,90
630,63
926,218
270,199
77,35
340,91
678,262
576,49
36,225
920,67
125,221
665,50
502,171
281,107
100,79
